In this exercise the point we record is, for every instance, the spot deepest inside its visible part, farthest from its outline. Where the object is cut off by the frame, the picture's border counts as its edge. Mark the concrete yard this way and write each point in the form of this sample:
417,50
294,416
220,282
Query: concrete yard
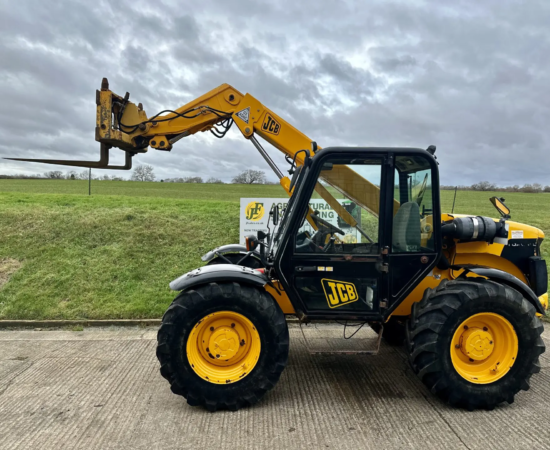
101,389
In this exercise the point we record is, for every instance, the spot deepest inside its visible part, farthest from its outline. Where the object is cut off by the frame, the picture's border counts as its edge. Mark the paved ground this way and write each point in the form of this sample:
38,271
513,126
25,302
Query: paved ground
101,389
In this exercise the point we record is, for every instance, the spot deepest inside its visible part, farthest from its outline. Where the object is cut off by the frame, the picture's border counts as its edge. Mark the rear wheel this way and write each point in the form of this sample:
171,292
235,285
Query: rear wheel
223,345
474,343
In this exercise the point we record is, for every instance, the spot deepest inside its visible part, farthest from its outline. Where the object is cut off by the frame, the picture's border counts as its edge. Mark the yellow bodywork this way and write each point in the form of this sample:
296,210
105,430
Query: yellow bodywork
478,253
104,131
201,114
278,293
543,299
122,124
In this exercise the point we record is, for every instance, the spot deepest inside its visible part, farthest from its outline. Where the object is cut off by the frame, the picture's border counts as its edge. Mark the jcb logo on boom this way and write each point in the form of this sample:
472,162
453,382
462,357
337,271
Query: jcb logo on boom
339,293
270,125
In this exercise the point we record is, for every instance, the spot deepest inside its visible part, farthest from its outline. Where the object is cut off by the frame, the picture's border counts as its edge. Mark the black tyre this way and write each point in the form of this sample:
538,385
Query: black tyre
234,258
189,312
439,343
394,331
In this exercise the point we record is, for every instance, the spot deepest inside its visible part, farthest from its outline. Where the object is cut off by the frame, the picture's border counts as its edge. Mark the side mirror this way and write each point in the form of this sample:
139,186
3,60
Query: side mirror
275,213
500,206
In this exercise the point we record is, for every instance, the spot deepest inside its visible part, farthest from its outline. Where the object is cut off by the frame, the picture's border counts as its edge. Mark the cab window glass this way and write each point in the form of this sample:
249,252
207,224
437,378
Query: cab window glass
413,206
343,215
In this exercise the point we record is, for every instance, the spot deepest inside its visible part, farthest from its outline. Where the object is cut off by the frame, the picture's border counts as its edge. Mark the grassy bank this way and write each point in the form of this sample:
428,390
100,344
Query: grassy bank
112,256
103,257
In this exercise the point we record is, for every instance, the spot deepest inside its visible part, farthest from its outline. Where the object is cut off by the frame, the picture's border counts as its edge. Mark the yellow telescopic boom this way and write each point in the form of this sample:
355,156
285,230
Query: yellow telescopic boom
122,124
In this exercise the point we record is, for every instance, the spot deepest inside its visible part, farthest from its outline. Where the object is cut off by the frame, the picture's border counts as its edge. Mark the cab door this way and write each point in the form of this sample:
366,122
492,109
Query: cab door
416,223
333,263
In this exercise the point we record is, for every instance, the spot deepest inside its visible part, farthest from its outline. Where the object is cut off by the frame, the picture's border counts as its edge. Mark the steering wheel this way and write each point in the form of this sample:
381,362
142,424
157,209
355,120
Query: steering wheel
331,228
422,191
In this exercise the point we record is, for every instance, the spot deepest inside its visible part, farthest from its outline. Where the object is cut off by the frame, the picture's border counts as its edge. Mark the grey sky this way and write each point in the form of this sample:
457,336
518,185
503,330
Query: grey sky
470,77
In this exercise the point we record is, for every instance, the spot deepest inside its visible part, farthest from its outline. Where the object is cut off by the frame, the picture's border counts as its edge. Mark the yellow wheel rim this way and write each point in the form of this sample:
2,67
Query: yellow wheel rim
484,348
223,347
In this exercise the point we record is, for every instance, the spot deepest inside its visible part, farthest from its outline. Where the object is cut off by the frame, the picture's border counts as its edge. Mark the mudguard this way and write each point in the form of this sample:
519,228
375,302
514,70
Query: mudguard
230,248
505,278
219,272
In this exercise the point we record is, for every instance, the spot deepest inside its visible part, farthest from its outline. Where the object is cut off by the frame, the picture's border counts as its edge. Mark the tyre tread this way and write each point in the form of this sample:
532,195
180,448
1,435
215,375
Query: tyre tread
169,344
427,324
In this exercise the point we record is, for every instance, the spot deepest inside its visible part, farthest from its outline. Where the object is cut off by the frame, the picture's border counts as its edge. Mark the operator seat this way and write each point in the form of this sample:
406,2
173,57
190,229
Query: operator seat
406,228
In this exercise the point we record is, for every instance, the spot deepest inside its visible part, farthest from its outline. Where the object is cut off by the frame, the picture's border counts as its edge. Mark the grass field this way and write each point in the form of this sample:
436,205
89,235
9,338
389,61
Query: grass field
221,192
112,254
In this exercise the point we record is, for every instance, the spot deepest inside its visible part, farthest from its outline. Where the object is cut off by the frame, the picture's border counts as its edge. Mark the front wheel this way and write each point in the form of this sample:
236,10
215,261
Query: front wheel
474,343
223,345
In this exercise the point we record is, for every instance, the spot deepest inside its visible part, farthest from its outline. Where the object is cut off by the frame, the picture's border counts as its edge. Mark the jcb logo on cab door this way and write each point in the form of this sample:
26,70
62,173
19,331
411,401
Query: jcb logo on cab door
339,293
270,125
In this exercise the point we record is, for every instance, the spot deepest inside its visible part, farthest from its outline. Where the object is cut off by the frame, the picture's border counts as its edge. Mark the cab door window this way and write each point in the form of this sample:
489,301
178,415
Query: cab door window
343,214
413,206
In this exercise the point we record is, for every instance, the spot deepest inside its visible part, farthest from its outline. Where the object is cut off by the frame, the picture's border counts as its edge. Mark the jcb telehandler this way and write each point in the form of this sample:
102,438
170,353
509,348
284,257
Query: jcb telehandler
463,292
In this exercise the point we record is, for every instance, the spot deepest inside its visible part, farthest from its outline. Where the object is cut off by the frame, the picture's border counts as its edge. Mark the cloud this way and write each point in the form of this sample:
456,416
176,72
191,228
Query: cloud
471,78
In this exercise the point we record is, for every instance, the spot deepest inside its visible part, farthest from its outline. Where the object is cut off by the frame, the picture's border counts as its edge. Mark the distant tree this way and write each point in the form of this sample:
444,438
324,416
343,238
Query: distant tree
213,180
71,175
143,172
546,188
526,188
106,177
191,180
531,188
83,175
484,186
54,174
250,177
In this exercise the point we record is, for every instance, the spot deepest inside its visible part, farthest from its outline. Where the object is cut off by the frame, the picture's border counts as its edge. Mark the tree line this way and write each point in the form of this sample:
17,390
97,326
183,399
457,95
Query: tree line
59,175
531,188
146,172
